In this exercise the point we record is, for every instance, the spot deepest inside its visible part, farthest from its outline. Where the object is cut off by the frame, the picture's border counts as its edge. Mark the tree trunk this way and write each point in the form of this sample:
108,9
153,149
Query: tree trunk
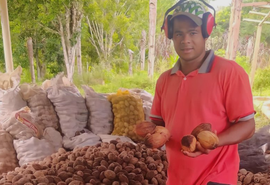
249,48
31,58
69,24
130,61
38,64
142,52
79,52
152,31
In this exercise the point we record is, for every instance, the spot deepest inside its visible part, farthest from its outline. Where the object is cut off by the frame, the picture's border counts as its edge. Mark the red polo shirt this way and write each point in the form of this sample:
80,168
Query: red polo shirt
218,93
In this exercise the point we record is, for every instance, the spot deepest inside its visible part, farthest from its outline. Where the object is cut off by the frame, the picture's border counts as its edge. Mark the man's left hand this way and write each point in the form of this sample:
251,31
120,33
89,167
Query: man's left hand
199,151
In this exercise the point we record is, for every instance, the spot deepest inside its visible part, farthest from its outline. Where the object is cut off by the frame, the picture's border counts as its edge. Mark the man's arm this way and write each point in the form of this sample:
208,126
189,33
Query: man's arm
237,133
158,122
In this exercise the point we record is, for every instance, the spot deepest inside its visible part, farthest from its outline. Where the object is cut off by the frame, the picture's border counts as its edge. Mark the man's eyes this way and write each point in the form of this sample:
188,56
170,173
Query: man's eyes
191,33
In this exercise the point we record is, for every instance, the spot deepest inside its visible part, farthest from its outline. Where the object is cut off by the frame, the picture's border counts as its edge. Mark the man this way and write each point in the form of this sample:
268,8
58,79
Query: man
202,88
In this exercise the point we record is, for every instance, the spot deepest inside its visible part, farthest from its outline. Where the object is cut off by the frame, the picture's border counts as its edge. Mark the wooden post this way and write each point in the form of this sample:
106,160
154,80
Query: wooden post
231,26
238,15
255,55
143,43
6,35
130,52
256,50
152,34
235,21
31,58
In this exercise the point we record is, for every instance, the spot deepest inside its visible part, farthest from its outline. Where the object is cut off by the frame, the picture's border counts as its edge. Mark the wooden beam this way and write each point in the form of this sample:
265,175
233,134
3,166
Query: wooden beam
264,6
257,13
255,55
264,19
255,4
6,35
257,21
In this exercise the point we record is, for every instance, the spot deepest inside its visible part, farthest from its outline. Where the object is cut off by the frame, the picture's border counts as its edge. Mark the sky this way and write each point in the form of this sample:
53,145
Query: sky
220,3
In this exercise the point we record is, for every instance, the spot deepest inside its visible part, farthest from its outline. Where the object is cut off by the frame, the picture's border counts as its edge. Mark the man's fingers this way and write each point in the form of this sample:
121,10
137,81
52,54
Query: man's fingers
193,154
201,149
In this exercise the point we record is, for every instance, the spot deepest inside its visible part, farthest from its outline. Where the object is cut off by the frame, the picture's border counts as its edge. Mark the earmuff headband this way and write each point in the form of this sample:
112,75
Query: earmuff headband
180,2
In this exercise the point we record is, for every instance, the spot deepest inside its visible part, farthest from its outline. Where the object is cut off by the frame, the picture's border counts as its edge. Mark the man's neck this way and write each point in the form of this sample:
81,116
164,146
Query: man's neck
189,66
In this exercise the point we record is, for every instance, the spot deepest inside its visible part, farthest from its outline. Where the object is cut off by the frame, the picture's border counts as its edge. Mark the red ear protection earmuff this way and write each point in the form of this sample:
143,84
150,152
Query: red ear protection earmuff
208,21
167,27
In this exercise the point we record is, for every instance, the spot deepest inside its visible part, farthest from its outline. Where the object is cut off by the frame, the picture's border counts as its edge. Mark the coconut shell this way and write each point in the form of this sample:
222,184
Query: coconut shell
144,128
188,143
201,127
208,139
156,140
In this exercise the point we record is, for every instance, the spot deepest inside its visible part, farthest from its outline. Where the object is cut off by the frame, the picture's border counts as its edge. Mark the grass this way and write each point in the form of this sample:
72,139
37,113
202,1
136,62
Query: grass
260,119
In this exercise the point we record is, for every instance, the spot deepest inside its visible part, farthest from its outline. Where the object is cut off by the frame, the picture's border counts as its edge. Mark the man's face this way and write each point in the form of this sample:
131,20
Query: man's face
188,41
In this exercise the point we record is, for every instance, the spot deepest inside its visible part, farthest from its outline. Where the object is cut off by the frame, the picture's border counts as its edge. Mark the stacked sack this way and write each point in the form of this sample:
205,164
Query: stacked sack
128,111
100,119
25,129
21,126
72,112
10,99
41,107
31,142
35,149
69,105
8,160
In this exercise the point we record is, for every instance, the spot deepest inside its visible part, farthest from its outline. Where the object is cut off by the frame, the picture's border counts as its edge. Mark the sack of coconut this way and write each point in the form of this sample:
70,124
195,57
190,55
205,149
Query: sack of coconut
100,119
10,79
20,125
53,137
109,138
128,111
83,138
33,149
10,99
8,158
69,105
41,107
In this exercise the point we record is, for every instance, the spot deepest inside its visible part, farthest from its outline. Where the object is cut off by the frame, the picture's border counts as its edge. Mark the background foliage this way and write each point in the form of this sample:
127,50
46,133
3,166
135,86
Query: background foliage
127,19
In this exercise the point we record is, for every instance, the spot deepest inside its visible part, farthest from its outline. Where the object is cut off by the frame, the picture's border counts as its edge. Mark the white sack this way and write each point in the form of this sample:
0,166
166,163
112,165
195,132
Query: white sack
21,126
100,119
10,98
108,138
69,105
41,107
53,137
84,139
32,150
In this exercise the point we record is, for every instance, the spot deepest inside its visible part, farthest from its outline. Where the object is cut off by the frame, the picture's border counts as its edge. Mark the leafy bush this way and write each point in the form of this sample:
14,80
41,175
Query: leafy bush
261,86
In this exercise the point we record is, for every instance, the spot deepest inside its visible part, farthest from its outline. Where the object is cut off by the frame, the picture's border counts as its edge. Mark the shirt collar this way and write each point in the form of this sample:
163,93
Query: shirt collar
205,67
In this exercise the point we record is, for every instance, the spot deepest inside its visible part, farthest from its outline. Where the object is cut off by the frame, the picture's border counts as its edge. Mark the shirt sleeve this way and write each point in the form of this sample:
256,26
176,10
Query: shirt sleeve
238,95
156,106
